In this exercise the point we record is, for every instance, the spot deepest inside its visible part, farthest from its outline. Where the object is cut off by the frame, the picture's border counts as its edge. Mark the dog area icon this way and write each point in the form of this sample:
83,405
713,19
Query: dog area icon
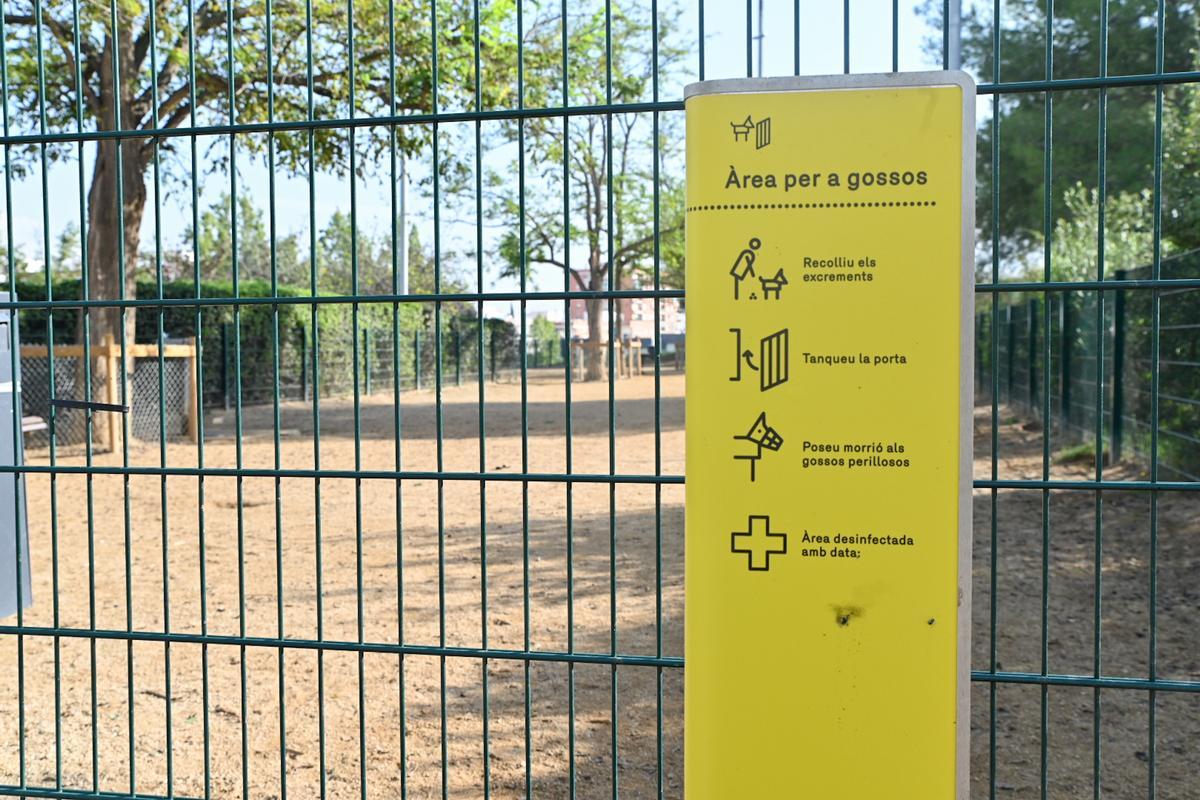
762,131
760,437
743,268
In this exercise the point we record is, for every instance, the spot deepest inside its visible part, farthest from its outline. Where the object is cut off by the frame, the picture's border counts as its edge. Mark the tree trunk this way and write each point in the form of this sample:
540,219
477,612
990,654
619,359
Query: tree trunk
594,358
106,229
116,203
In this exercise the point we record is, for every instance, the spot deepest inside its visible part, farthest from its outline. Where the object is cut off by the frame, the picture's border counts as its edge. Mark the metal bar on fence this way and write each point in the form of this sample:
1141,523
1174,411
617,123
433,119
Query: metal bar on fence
302,336
417,359
1117,425
1066,330
1032,309
1011,349
366,357
492,351
226,376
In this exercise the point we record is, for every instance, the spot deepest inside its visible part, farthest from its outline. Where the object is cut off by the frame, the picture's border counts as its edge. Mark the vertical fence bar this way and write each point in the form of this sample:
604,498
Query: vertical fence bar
457,356
1010,328
1047,422
398,176
303,339
198,321
482,417
492,350
1101,252
417,359
1117,412
226,372
994,466
1155,354
1031,335
366,356
1066,350
52,390
568,415
481,390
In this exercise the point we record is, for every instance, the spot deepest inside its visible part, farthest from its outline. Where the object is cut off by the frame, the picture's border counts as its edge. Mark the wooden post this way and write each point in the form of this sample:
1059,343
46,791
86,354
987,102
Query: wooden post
193,398
109,351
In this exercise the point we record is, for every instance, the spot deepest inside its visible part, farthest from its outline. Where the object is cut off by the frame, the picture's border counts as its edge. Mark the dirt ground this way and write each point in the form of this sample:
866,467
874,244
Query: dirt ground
304,522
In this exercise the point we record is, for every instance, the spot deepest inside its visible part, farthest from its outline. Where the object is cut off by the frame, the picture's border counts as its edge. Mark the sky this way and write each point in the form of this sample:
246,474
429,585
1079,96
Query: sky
821,52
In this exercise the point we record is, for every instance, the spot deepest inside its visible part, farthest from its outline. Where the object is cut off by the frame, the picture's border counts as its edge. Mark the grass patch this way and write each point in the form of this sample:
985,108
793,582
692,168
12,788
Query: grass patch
1083,453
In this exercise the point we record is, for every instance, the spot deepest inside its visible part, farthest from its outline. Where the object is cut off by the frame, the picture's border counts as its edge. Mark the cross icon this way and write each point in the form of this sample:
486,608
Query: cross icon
758,542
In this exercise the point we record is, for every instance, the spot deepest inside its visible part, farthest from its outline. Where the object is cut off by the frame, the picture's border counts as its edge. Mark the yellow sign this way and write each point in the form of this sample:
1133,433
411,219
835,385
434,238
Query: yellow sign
829,302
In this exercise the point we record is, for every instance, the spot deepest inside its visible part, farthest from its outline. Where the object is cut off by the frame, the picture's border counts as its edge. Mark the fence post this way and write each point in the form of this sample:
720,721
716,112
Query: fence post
1011,349
1033,314
367,359
417,359
225,329
193,398
492,352
113,381
1118,372
1066,339
303,364
457,356
985,328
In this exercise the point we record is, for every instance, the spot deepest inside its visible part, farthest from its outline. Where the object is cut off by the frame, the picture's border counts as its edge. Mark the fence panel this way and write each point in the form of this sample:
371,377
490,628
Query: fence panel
415,548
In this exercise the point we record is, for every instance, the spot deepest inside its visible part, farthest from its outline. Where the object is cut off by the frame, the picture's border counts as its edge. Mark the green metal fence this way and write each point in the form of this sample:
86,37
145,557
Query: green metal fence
1072,372
164,565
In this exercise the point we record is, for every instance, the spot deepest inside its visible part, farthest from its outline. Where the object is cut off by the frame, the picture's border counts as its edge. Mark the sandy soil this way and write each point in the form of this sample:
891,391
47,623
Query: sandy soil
283,517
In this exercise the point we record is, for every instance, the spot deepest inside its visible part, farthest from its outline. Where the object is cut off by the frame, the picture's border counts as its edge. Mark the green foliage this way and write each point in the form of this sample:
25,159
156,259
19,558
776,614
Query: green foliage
1128,234
257,324
543,331
1083,453
1181,168
383,33
1130,121
253,245
346,255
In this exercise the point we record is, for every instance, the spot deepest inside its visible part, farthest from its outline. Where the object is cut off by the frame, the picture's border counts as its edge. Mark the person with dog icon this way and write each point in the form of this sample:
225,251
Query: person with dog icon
743,267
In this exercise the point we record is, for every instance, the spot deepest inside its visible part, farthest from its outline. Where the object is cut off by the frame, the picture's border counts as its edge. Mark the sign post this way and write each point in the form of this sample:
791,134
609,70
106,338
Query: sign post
15,591
829,394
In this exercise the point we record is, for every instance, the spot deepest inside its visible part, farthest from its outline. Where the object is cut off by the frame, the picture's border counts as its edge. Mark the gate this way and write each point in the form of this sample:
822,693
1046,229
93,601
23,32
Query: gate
387,569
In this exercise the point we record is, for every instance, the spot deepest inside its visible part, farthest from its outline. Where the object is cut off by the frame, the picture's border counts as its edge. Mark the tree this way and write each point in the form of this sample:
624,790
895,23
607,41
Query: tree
131,72
545,335
341,247
19,263
1181,168
67,249
601,243
253,245
1128,239
1132,38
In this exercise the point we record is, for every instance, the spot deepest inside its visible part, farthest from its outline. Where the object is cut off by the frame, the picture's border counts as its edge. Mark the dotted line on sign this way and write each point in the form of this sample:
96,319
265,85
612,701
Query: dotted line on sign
760,206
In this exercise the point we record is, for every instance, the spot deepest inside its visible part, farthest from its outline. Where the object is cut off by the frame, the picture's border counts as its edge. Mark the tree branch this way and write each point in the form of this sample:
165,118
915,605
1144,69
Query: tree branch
631,249
66,41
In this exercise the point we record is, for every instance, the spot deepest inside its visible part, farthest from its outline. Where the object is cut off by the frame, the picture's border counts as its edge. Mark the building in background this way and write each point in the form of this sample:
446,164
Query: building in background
636,318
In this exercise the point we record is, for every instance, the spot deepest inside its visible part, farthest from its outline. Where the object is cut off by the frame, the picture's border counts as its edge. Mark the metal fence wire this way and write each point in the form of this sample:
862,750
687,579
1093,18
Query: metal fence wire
400,561
1127,405
70,424
148,418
